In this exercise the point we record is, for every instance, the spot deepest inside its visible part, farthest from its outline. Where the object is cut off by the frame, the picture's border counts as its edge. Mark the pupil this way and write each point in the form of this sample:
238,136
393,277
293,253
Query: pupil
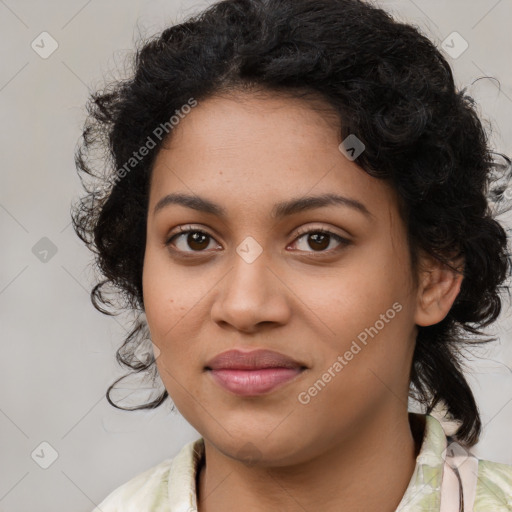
195,236
316,237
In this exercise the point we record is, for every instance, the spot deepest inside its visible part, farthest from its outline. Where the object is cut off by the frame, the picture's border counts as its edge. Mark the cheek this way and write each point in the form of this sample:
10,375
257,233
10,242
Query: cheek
354,295
362,313
164,304
172,303
168,293
172,300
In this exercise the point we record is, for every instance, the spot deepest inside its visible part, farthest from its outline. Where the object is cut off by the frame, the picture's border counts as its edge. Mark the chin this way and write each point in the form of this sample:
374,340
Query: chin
257,448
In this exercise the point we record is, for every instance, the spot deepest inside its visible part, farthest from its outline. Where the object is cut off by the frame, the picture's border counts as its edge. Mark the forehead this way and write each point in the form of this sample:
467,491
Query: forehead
249,149
245,120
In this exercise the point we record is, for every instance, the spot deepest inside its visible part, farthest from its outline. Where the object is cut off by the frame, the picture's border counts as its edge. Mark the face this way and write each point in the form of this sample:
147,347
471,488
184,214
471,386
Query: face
253,275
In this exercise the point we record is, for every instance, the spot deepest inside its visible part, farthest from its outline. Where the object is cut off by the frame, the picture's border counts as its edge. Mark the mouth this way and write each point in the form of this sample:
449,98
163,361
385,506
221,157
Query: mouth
253,373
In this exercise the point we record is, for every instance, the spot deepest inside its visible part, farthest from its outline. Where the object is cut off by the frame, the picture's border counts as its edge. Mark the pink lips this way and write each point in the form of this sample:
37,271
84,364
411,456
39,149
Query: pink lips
252,373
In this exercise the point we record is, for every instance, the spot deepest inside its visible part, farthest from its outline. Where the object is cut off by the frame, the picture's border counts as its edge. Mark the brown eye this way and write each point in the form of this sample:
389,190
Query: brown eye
196,241
193,239
320,239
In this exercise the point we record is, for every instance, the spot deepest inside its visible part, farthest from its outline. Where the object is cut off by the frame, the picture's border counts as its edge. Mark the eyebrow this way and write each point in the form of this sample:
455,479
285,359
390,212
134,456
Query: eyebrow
279,211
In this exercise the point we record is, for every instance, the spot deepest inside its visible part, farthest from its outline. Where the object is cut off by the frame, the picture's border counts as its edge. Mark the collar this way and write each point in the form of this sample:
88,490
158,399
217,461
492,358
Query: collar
424,489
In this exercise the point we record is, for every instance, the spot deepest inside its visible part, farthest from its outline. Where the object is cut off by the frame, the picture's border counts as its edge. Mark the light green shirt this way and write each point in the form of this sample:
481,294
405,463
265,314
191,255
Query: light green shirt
171,485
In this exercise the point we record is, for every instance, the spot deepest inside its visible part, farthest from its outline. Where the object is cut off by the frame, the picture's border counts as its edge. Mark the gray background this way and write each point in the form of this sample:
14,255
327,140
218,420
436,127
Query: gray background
57,350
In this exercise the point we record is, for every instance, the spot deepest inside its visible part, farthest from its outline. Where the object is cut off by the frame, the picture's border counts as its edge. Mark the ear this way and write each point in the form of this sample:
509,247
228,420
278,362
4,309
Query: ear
438,288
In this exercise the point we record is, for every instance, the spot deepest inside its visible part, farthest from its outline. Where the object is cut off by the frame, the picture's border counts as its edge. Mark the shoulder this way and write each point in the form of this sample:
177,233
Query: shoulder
494,488
145,491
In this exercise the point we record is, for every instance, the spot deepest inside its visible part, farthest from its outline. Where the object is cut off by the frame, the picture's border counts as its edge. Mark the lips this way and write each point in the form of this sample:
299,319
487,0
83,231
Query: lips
253,373
253,360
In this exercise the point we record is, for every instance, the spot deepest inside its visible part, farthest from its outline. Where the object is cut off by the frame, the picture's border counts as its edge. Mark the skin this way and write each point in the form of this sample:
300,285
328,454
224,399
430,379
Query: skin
352,444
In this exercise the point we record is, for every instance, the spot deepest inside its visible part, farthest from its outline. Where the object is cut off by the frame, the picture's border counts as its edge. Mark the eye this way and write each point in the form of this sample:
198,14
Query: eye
320,239
198,240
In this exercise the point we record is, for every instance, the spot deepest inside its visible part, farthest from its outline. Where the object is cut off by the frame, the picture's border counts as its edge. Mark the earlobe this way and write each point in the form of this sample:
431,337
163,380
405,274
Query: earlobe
437,291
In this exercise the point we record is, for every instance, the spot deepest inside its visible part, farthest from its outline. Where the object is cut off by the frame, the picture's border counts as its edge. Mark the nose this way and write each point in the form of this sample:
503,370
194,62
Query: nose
251,295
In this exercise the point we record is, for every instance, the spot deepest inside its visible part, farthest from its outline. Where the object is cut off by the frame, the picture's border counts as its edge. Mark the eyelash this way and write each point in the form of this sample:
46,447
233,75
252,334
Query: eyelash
188,229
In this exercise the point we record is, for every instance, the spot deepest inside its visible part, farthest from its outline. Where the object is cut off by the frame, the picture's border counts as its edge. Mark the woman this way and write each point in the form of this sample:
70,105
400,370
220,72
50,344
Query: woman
297,206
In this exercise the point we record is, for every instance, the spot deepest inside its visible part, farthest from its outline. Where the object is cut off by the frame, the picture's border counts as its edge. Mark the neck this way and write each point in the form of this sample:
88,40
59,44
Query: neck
369,470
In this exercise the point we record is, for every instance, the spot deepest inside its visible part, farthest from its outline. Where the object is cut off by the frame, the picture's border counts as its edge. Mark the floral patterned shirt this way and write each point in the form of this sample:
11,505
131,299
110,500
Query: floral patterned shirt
171,485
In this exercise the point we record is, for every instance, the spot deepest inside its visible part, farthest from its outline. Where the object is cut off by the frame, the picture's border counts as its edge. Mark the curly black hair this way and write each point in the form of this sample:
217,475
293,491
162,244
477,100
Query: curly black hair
388,84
